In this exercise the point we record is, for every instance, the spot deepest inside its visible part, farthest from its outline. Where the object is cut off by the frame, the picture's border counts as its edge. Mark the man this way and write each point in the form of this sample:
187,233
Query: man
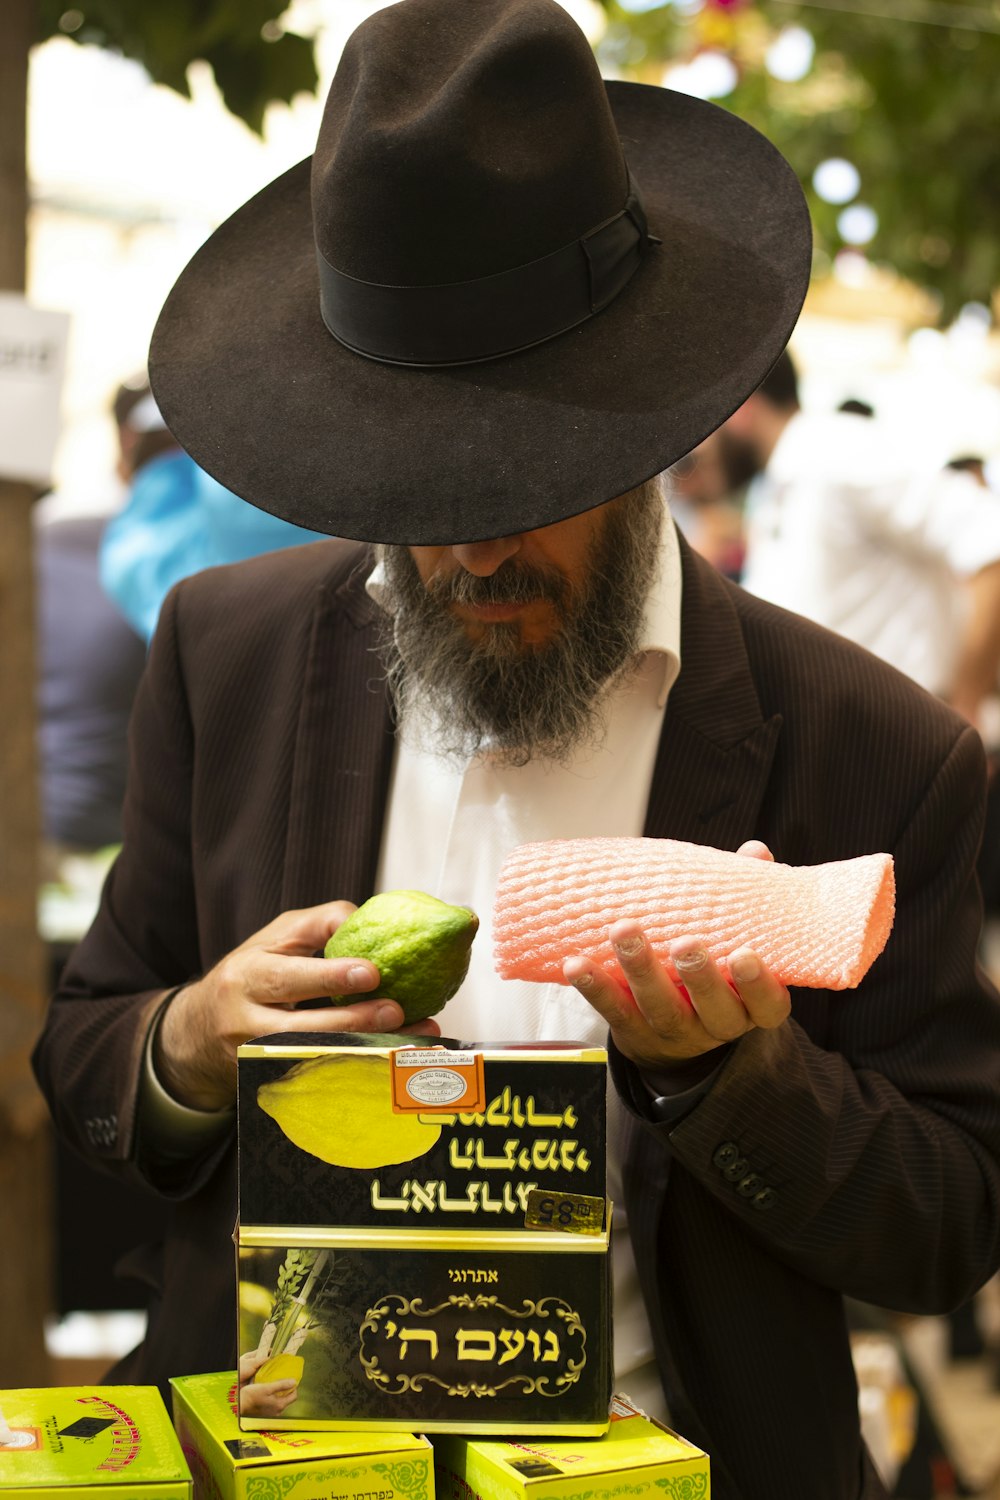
895,552
510,344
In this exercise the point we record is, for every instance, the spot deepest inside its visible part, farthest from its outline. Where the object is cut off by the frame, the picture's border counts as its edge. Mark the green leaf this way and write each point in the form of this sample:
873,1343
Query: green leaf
912,104
166,36
250,78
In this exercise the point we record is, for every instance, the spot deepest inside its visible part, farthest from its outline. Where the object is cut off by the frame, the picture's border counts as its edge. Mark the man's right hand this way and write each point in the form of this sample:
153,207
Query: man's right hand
252,991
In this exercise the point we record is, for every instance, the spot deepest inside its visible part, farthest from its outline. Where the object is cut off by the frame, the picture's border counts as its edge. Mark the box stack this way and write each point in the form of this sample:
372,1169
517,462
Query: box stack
424,1234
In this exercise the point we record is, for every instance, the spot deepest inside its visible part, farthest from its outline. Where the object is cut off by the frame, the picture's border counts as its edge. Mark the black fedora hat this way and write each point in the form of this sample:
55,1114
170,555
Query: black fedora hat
501,292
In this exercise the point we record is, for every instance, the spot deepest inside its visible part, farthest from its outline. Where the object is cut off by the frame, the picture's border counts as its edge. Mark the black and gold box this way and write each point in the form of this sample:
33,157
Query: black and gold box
424,1235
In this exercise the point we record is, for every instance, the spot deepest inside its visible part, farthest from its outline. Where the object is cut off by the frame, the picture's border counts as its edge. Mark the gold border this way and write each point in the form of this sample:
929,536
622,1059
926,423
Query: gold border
510,1054
462,1428
471,1242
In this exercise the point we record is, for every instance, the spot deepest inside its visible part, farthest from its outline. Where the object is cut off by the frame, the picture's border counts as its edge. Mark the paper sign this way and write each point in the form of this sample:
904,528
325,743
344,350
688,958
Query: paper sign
32,363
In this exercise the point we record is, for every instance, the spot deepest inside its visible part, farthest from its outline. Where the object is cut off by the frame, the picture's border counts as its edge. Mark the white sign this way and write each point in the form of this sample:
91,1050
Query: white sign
32,362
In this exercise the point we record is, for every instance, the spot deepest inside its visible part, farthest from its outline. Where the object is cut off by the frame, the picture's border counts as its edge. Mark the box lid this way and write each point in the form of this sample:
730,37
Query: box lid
632,1441
99,1435
213,1399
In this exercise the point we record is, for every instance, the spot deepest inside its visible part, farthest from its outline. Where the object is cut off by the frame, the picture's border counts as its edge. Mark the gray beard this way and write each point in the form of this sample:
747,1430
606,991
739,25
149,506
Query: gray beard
463,697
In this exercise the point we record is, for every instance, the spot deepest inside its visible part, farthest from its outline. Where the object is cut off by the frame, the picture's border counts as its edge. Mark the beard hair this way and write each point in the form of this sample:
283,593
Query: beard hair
459,697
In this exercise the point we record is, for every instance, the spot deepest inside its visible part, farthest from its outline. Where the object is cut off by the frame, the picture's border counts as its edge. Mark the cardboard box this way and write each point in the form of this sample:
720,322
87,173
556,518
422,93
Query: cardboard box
424,1232
636,1457
229,1464
82,1442
401,1155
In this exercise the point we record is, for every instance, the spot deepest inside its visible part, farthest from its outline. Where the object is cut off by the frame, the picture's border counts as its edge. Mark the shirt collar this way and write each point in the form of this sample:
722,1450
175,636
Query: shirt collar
661,624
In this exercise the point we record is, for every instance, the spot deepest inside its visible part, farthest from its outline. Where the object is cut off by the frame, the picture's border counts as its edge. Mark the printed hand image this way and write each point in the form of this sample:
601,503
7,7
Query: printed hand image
270,1375
268,1384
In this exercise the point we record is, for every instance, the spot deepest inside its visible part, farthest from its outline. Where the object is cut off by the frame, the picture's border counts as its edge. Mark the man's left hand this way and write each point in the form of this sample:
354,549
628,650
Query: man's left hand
656,1021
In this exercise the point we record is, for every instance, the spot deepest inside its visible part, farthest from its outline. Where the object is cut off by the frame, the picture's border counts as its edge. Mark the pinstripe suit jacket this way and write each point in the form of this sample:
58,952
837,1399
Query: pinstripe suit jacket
855,1150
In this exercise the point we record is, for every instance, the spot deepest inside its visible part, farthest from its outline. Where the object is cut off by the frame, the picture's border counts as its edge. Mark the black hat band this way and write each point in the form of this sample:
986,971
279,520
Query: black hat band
464,322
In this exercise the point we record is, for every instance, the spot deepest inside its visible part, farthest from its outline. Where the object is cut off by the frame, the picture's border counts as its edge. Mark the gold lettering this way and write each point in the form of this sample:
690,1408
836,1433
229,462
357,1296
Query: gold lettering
456,1156
400,1205
408,1336
423,1195
513,1341
476,1343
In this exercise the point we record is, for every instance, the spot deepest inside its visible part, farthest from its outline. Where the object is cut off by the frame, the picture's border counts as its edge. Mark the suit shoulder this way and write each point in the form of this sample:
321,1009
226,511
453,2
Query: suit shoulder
841,686
274,585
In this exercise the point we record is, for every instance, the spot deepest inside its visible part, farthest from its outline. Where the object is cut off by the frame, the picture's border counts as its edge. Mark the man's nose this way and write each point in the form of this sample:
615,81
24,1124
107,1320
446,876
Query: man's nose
483,558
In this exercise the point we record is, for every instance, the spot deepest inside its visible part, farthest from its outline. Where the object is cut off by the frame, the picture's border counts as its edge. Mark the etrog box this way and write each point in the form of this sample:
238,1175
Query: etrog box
636,1457
424,1233
84,1442
227,1464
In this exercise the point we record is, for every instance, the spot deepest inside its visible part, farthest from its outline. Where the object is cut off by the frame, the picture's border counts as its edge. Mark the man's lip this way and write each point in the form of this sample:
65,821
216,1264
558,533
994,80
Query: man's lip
488,613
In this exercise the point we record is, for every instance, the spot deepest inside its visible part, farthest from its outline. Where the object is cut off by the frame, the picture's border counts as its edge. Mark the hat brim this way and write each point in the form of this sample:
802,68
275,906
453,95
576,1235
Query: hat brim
271,405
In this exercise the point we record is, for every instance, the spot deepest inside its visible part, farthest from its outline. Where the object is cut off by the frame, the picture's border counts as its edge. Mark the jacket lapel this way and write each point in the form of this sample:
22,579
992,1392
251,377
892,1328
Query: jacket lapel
343,752
716,748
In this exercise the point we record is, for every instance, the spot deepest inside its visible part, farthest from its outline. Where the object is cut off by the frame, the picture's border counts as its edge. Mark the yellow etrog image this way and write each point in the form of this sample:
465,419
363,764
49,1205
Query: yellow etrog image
419,945
280,1367
339,1108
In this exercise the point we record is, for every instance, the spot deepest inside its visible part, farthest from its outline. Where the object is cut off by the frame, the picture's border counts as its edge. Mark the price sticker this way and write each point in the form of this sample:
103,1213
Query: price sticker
564,1213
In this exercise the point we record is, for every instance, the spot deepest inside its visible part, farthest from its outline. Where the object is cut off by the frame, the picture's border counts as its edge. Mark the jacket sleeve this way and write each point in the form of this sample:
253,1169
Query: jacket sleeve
143,943
869,1161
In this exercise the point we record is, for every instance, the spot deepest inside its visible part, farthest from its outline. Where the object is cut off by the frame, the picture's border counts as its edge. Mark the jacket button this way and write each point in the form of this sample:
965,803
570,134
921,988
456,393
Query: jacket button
750,1185
101,1130
766,1198
735,1169
725,1154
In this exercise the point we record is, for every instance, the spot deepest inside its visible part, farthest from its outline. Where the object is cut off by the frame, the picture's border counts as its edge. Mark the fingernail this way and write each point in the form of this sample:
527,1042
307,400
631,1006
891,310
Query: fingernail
386,1018
744,968
360,975
628,947
694,958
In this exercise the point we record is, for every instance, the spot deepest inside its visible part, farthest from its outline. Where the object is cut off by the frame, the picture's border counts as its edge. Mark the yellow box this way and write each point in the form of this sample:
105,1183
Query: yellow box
635,1458
82,1442
424,1233
227,1464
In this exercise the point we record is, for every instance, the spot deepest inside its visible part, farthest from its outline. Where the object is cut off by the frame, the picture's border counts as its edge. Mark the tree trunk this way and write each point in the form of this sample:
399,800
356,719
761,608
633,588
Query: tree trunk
25,1178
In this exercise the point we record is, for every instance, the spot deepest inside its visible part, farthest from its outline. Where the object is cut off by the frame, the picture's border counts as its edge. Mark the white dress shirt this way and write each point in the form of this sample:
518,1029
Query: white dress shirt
448,829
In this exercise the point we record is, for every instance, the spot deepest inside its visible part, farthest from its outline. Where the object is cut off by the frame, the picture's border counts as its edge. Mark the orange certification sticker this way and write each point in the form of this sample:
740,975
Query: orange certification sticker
434,1080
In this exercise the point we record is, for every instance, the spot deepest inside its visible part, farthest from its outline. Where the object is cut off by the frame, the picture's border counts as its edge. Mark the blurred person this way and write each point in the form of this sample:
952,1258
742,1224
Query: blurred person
467,333
142,435
89,664
903,560
176,521
972,1331
709,515
846,529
